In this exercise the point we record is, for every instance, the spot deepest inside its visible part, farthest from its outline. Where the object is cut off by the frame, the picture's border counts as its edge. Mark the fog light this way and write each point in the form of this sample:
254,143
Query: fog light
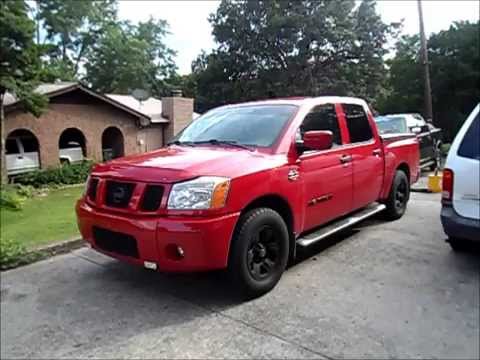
180,252
150,265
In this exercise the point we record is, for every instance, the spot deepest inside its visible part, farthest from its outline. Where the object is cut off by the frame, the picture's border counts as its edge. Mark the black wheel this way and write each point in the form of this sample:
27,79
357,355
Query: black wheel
457,244
259,252
398,197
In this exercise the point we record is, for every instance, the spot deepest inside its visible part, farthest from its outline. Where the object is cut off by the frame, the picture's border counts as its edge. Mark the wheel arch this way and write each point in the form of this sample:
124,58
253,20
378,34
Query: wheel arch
390,176
405,168
279,204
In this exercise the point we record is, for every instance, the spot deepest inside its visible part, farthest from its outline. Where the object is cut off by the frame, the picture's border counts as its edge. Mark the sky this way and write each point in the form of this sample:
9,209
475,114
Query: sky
191,32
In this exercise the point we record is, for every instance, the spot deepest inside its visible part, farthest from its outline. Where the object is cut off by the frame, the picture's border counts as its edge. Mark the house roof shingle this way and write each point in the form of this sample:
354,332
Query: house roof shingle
150,108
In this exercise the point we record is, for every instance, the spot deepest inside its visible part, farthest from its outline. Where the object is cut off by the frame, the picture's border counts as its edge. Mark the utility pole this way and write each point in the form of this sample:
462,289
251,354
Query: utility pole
424,56
37,21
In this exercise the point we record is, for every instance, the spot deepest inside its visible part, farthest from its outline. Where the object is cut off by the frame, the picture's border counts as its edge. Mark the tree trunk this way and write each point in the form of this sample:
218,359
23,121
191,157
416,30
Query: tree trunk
4,178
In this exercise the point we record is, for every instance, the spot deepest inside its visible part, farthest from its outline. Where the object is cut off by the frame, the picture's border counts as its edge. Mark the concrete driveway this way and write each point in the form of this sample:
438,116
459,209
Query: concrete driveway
381,290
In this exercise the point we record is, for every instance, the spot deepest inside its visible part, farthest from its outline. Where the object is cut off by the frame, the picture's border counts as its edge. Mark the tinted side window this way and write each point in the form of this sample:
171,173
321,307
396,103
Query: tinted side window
470,146
322,117
357,123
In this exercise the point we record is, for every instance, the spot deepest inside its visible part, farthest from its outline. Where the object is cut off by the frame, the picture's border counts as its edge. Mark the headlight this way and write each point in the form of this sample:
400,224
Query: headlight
207,192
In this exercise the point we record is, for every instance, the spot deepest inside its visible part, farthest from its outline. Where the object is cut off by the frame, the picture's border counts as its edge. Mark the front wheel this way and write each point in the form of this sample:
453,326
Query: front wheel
259,252
398,197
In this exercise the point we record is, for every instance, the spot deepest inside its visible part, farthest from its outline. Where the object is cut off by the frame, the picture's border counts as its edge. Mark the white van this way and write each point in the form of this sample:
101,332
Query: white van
461,185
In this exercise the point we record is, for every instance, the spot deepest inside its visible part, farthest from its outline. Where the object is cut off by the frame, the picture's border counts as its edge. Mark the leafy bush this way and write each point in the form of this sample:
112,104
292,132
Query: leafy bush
11,253
10,198
26,191
64,175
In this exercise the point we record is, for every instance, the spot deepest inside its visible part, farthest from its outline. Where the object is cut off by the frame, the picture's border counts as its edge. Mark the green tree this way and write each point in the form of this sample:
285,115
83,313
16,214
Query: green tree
294,47
454,71
72,27
405,78
19,64
128,56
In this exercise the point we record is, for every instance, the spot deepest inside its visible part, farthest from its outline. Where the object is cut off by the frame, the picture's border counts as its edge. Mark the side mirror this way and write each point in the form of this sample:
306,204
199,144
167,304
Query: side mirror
417,130
318,140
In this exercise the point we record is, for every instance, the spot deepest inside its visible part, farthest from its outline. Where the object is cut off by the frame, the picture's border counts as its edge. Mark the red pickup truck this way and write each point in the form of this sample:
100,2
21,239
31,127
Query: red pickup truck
244,185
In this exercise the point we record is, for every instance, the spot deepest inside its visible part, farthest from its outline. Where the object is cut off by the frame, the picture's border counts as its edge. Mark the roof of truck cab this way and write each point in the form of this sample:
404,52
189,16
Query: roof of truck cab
299,101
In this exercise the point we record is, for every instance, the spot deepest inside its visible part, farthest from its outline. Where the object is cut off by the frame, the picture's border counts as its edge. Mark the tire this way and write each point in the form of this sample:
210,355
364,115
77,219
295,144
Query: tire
259,252
398,197
457,244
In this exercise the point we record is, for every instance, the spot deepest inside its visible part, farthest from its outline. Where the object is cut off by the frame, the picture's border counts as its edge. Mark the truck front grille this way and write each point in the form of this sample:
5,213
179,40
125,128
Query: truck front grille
92,189
118,194
152,197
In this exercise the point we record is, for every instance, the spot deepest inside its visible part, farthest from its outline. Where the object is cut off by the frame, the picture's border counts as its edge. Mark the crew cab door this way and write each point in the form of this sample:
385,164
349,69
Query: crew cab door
367,155
327,174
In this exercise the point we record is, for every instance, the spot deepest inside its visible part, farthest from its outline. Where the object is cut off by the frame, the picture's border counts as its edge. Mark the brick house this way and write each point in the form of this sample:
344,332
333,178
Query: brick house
105,126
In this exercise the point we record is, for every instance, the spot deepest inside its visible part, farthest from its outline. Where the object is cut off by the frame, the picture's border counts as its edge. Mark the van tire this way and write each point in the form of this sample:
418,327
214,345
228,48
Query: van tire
398,196
259,252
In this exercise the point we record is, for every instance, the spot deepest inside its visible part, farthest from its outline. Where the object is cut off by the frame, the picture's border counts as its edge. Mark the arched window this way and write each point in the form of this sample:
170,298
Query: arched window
72,146
22,152
112,143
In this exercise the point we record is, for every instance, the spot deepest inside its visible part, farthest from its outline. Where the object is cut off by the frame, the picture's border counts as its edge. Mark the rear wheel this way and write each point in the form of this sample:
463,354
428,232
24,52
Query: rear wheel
398,197
259,252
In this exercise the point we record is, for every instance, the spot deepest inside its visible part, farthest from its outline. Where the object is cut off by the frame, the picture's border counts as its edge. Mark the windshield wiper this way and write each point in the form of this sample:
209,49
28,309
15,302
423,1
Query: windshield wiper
178,142
224,142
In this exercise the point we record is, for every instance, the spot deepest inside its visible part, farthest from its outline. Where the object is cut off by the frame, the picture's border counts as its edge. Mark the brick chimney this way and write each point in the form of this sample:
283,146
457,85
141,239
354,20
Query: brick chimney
179,111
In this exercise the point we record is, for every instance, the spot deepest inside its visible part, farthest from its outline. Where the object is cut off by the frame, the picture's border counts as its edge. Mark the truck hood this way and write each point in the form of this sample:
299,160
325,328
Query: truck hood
175,163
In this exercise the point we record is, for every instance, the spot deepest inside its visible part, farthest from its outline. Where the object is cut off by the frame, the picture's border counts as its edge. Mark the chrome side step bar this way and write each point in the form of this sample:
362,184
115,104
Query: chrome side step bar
341,224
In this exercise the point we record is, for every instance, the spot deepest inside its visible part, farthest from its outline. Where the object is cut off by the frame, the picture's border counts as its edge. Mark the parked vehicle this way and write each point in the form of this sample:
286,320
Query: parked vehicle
72,153
461,185
21,155
244,185
429,136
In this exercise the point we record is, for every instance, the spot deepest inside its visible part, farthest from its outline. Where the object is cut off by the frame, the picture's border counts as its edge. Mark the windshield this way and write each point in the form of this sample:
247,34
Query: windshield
391,124
255,125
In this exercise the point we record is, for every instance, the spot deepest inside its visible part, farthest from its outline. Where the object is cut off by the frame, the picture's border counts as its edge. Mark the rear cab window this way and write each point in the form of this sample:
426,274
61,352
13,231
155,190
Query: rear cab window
470,145
357,123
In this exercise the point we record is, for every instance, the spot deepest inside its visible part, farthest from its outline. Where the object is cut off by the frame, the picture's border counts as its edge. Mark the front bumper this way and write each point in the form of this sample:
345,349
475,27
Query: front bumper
458,226
205,240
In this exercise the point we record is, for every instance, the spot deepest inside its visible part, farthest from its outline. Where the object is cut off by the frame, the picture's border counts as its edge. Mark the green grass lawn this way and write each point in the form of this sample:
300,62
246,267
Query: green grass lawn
43,219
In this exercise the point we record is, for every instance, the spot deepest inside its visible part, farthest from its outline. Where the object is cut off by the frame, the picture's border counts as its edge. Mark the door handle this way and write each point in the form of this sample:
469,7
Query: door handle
377,152
344,159
20,157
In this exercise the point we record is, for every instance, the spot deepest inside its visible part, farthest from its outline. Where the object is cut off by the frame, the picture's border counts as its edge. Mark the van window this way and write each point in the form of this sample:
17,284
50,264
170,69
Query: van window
322,117
470,146
357,123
